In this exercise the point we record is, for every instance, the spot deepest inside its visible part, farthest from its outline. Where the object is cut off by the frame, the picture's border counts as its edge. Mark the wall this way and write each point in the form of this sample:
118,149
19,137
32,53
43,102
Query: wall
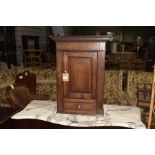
121,33
40,31
131,32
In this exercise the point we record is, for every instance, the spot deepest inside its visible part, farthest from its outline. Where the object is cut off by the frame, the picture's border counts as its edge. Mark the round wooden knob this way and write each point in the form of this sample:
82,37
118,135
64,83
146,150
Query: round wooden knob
79,106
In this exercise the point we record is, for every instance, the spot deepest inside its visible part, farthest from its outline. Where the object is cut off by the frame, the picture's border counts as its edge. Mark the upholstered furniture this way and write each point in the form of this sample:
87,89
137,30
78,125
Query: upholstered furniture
113,93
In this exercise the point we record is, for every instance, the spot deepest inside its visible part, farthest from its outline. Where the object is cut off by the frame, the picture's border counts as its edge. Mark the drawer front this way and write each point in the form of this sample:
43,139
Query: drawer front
82,46
79,106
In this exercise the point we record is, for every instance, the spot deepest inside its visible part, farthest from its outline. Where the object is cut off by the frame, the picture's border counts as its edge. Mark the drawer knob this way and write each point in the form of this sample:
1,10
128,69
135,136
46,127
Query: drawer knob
79,106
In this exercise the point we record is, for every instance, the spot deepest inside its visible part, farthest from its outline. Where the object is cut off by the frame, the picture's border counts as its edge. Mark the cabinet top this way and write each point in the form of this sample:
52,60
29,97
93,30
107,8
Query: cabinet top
81,38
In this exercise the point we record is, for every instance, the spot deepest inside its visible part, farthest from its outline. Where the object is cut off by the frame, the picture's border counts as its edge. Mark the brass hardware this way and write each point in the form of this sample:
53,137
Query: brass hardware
65,76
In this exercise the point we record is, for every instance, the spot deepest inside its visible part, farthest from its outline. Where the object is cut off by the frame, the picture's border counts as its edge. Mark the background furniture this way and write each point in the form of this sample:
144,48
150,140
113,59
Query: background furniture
51,59
125,60
32,57
122,58
144,95
151,51
80,74
46,83
8,45
27,79
18,96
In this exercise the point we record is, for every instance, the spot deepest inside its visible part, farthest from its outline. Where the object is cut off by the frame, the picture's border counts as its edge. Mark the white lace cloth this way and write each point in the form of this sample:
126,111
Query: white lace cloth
114,115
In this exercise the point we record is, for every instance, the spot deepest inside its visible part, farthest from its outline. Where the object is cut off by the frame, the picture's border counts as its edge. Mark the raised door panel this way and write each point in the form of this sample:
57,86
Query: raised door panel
81,68
80,73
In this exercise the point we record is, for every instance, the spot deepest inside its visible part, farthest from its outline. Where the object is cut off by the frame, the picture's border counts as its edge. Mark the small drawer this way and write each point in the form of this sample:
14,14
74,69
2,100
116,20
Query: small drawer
80,46
79,106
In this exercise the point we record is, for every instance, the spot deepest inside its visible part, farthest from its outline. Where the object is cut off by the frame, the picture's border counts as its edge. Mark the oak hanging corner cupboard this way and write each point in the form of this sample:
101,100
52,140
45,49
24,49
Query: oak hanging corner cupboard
80,74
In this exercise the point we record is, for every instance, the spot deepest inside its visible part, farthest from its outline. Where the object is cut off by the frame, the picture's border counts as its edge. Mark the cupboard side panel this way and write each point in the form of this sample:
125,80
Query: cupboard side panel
100,81
59,67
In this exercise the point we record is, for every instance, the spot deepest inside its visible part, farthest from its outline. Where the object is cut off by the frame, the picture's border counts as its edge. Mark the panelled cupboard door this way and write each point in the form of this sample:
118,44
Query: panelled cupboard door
81,68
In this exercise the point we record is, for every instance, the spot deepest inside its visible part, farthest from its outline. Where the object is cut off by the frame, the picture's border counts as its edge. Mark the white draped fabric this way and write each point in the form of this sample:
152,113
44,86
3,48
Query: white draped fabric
114,115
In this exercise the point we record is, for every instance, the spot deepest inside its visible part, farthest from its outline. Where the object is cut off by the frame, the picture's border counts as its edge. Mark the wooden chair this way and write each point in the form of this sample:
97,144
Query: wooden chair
19,96
27,58
143,95
143,98
147,91
32,57
49,58
28,80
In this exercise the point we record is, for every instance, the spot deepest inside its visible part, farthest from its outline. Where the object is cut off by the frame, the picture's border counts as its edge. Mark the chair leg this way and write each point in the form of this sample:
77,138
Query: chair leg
40,61
25,62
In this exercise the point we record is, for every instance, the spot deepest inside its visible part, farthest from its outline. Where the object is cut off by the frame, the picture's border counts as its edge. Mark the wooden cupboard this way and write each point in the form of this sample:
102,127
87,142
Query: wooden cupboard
80,74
